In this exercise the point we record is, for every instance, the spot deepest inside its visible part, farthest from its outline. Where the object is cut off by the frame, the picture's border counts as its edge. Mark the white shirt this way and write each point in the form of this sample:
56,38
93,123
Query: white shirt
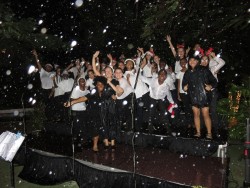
141,88
147,70
126,87
170,80
178,67
58,91
90,84
158,91
66,85
215,65
77,92
76,70
45,77
180,76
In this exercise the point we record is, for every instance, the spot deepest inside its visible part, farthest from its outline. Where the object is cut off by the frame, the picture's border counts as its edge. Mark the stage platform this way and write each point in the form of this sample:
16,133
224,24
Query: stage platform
49,160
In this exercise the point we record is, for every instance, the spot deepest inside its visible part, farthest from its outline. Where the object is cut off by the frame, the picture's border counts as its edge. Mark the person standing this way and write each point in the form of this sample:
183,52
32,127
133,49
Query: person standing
46,83
197,82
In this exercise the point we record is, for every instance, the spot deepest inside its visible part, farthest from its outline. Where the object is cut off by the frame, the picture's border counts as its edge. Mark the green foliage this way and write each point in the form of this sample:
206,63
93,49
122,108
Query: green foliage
237,132
19,36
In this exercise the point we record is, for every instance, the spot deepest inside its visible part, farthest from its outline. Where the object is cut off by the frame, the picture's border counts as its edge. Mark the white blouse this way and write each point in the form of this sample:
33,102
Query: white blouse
157,91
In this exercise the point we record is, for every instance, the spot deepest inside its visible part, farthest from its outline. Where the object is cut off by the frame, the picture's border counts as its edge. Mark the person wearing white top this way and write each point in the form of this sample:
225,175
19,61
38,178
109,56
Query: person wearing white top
76,68
147,68
180,54
182,95
66,86
79,111
124,101
158,91
90,81
141,92
46,83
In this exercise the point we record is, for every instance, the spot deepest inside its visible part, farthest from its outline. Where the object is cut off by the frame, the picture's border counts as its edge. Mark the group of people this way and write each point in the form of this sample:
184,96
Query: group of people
107,97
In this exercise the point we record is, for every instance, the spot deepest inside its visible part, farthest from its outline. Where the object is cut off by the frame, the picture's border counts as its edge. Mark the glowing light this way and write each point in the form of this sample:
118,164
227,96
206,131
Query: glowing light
109,43
78,3
43,30
31,69
40,22
73,43
104,30
31,99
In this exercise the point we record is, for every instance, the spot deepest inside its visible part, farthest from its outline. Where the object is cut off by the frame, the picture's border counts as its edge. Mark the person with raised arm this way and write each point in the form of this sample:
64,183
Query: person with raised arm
114,90
179,54
46,83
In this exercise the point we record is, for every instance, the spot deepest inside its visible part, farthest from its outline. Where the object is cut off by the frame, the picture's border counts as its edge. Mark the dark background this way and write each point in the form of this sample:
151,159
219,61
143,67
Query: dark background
223,25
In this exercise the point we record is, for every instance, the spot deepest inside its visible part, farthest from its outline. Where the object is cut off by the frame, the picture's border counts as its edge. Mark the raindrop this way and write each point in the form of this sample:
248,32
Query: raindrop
109,43
124,102
8,72
30,86
40,22
43,30
78,3
31,99
130,46
104,30
31,69
16,113
73,43
50,172
33,102
141,104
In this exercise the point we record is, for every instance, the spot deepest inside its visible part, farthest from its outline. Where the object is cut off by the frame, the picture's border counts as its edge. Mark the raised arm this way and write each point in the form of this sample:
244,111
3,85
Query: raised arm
168,38
95,55
39,66
110,59
118,90
220,62
75,101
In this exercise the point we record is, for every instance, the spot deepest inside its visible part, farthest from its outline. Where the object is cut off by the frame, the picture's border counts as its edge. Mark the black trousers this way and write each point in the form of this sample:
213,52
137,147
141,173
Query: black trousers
187,108
213,97
158,113
123,108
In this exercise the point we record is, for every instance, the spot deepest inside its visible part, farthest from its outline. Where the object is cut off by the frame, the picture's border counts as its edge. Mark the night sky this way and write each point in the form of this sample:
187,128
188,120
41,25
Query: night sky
112,27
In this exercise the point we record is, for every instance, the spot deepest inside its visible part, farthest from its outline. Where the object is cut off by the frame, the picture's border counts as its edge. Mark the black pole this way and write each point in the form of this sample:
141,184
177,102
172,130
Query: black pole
247,156
12,175
133,121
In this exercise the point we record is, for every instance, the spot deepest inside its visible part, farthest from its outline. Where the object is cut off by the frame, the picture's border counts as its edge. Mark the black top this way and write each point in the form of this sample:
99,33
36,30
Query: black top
196,80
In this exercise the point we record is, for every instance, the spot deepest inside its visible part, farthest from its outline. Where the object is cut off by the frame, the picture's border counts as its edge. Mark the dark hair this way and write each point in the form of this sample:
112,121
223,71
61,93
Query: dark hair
183,59
162,70
90,71
100,79
118,69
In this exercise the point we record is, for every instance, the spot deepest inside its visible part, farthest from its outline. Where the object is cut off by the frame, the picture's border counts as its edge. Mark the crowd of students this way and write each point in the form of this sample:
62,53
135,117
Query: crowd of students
107,97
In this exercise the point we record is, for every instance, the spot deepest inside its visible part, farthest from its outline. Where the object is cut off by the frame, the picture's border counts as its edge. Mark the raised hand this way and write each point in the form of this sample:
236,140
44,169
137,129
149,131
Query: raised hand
109,56
168,38
96,54
34,52
140,50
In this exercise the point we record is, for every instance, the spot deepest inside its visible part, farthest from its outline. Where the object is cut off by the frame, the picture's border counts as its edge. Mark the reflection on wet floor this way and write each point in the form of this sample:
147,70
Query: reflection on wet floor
150,161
